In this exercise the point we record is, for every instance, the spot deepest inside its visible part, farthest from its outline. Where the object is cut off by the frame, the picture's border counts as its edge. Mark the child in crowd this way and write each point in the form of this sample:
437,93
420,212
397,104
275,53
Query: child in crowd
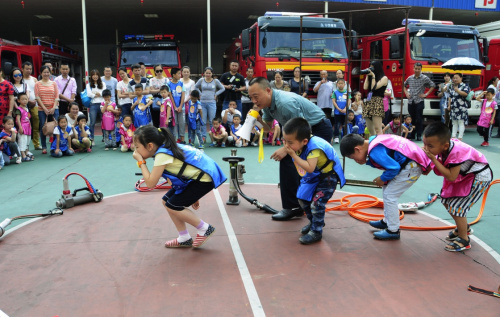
24,126
255,134
487,117
108,109
407,124
235,127
140,107
321,170
218,134
351,124
81,135
127,130
228,114
357,108
394,126
402,162
341,102
273,136
9,146
467,175
118,124
61,145
199,178
165,107
178,97
195,113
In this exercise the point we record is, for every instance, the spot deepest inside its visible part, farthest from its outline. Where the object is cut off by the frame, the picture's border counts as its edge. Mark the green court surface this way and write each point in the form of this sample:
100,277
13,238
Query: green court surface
34,187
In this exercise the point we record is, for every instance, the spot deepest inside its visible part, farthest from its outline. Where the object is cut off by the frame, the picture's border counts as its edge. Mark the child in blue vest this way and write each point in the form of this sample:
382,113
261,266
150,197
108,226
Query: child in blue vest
195,113
62,139
140,108
320,169
193,175
178,97
402,162
81,132
118,124
467,175
341,102
8,145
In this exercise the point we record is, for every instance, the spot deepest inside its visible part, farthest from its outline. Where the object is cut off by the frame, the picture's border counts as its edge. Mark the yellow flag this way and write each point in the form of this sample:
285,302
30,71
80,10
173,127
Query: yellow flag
261,147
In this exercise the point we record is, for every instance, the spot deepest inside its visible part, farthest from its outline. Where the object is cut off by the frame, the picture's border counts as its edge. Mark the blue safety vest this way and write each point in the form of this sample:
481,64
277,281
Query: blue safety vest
198,159
310,181
63,142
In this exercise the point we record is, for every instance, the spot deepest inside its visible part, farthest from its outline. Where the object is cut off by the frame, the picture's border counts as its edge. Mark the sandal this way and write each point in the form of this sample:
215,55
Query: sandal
19,160
453,235
456,247
27,159
176,244
200,240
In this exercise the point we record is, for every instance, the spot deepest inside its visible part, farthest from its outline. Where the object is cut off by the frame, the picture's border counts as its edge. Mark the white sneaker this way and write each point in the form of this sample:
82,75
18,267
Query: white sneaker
336,140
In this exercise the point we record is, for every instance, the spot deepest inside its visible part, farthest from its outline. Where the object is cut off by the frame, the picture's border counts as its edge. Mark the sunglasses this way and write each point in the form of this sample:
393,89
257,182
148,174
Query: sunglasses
18,75
159,71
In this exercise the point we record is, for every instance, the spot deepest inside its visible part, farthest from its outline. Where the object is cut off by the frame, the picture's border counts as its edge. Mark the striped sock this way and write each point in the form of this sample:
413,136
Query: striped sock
202,228
183,236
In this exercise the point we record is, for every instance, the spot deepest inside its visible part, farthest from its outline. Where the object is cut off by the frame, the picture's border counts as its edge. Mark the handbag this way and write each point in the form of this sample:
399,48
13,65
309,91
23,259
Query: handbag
85,99
49,126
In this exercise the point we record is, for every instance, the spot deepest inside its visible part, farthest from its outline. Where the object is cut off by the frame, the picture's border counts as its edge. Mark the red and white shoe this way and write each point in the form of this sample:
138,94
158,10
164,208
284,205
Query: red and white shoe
485,144
200,240
176,244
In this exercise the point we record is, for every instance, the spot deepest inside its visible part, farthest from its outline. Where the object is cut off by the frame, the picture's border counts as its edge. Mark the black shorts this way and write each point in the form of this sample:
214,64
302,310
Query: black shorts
191,194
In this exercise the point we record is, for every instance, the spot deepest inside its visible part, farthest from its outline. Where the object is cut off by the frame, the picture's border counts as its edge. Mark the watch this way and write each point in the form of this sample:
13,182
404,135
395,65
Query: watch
140,163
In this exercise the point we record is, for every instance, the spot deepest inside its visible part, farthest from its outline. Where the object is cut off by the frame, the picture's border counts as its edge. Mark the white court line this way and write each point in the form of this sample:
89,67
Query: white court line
252,295
2,314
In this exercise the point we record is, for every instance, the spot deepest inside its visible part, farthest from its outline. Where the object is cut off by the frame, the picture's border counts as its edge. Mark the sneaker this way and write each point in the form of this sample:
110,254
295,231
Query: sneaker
485,143
213,145
201,146
191,144
387,235
114,148
307,228
336,140
200,240
38,148
223,145
106,148
176,244
311,237
380,224
28,153
254,144
93,143
19,160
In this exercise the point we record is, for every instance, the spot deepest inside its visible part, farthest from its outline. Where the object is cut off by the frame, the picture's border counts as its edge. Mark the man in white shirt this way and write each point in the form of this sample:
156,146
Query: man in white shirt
227,115
67,88
110,82
324,90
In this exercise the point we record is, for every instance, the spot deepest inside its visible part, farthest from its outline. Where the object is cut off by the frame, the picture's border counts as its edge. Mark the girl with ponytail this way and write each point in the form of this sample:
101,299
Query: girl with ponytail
193,175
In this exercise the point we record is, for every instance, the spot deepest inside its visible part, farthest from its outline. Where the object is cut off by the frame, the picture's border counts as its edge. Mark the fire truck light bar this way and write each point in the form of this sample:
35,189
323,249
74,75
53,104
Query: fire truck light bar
415,21
150,37
287,14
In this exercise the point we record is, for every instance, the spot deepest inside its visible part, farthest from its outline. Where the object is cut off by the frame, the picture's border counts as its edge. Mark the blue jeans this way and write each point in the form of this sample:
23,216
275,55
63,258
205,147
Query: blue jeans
208,109
68,152
95,111
225,105
315,209
126,110
339,120
443,104
42,116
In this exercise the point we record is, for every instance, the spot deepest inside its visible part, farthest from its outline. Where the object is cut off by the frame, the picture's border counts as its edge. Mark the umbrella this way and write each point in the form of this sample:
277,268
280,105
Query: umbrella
463,63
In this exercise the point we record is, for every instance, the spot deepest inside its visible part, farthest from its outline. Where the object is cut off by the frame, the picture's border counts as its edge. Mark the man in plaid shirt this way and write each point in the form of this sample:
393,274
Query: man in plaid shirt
414,88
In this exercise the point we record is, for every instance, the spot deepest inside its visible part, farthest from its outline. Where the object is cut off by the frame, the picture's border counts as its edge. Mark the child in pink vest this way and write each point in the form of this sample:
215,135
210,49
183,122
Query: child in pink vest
24,126
127,130
487,116
467,175
402,162
108,109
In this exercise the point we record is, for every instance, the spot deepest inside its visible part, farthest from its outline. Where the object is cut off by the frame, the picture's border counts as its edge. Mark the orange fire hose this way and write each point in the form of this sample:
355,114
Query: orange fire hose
354,210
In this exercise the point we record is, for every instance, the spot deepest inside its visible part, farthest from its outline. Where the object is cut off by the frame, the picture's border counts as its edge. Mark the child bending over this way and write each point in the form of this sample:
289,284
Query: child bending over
320,168
402,162
467,175
193,175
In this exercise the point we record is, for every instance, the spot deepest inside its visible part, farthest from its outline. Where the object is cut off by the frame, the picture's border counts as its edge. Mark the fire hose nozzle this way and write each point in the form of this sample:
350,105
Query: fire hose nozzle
3,225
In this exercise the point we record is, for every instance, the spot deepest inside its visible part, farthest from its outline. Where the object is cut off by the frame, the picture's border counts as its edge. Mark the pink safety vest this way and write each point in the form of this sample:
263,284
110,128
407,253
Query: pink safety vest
25,121
460,153
485,118
403,146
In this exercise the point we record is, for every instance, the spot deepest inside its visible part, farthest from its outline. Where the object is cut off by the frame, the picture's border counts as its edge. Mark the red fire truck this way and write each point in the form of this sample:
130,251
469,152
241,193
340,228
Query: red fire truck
15,54
273,43
151,50
430,43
